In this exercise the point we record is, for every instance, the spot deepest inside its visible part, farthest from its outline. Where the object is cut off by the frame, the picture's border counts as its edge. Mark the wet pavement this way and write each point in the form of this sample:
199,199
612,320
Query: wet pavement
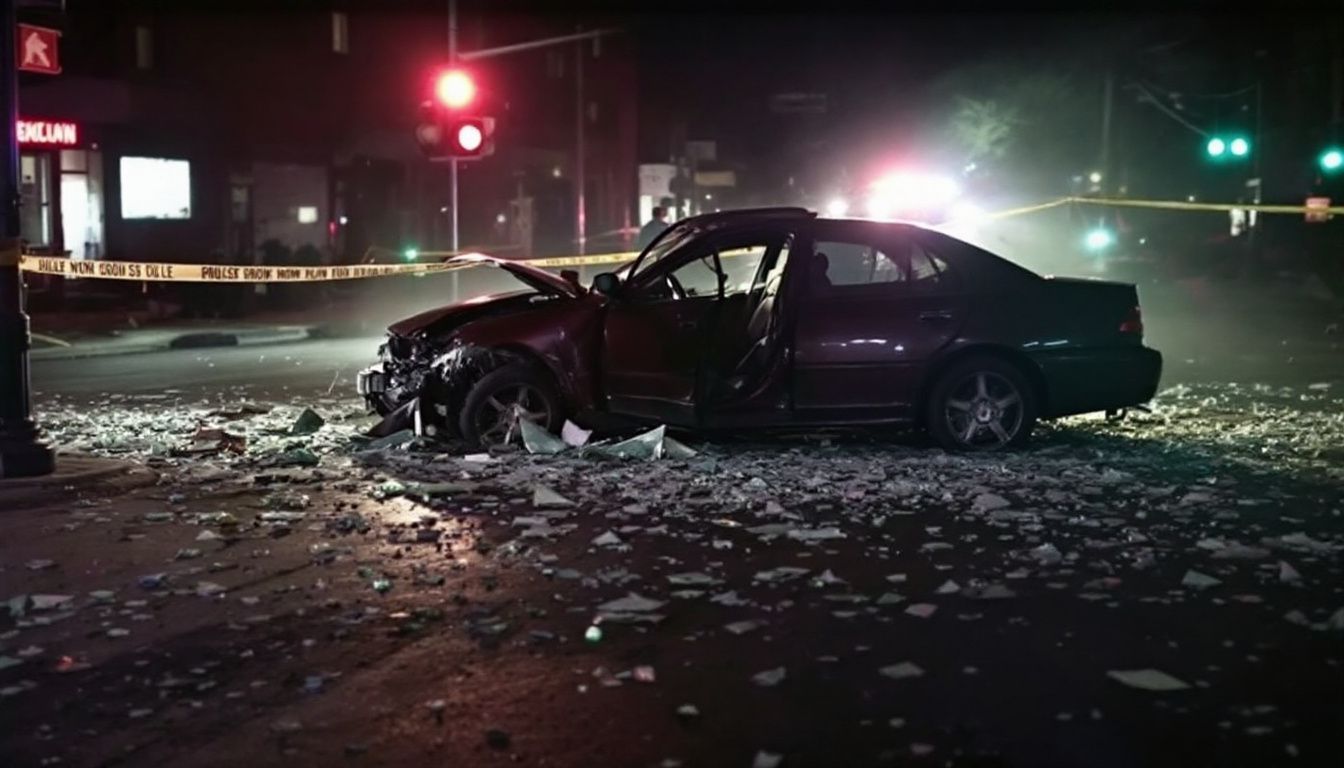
1161,591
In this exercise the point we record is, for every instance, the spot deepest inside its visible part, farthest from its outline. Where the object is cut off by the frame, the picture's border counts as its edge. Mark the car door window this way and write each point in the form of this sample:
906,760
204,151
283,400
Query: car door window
855,268
928,273
701,263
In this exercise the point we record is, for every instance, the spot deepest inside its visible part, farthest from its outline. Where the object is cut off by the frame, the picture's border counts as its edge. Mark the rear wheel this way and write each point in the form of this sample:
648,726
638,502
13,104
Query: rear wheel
497,403
982,403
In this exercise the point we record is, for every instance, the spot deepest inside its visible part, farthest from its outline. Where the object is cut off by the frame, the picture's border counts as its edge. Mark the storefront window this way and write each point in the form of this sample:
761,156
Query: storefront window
155,188
35,199
82,203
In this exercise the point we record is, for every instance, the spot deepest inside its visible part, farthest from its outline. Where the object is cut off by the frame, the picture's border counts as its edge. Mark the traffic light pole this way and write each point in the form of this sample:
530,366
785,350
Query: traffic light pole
452,163
21,453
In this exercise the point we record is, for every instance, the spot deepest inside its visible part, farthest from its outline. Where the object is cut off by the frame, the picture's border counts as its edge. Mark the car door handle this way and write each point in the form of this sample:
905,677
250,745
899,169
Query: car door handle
935,316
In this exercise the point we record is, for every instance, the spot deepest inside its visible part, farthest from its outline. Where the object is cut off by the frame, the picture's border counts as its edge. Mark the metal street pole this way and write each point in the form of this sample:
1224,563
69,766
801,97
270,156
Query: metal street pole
21,453
1106,130
452,162
579,117
452,60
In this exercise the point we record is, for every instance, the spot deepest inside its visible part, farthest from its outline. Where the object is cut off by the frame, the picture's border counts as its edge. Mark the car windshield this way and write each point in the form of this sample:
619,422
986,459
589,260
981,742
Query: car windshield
669,243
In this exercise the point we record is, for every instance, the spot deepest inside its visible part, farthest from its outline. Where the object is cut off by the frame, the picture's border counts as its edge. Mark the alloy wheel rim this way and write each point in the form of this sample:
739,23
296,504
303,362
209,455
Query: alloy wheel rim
984,410
497,421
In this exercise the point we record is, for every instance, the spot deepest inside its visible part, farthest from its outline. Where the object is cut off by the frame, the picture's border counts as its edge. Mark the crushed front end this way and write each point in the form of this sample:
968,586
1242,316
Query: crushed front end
420,384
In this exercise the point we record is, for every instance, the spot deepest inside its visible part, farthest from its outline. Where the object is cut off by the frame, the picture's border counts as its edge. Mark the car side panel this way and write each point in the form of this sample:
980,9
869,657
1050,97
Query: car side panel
563,334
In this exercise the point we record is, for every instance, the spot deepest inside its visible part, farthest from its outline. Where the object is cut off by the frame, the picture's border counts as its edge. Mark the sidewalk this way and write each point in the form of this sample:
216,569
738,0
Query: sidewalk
142,340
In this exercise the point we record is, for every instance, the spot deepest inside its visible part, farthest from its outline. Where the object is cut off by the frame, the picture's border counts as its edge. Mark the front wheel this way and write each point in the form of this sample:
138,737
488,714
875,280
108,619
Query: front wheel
496,404
981,404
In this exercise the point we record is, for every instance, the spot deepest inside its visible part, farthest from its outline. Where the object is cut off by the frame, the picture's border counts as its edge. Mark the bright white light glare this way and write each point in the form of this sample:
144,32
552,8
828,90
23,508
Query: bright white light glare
905,192
837,207
307,214
878,207
1098,238
345,220
1094,177
155,188
965,212
500,219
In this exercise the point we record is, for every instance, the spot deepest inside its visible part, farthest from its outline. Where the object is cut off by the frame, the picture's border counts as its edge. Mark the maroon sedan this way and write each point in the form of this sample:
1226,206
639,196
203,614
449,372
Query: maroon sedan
776,318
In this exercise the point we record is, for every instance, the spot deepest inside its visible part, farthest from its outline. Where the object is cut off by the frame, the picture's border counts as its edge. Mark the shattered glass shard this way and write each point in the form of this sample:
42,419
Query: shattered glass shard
631,603
538,441
1147,679
545,498
1199,580
770,677
901,671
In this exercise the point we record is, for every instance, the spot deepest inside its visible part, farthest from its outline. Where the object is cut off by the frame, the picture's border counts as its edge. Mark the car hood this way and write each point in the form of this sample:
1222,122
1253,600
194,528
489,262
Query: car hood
534,277
452,315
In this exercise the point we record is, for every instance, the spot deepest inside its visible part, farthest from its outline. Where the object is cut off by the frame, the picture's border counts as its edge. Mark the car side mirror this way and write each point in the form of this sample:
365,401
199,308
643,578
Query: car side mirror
607,284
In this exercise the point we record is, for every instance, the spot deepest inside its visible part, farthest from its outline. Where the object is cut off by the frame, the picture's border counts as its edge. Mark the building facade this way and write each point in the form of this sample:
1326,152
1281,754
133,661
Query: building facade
190,135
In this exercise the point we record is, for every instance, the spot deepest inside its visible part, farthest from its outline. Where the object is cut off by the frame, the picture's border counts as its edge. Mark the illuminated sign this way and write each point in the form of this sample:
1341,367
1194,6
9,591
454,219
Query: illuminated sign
49,132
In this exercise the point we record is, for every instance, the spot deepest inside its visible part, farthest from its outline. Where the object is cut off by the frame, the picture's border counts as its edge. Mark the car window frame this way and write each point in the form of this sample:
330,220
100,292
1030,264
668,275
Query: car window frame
639,283
869,234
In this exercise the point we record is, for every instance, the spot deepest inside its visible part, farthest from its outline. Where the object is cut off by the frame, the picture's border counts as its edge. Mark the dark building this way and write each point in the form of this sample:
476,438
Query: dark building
182,134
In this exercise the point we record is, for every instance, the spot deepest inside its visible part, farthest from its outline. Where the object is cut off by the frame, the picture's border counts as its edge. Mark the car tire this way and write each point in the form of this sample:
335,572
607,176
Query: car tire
978,402
477,420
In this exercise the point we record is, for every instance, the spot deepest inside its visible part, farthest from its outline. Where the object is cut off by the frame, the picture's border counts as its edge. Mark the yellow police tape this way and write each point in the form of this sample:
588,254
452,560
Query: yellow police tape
227,273
219,273
1176,205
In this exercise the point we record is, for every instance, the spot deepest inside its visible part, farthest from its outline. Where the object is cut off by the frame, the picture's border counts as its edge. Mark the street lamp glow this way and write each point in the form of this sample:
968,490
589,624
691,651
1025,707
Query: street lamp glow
1094,177
1216,147
1240,147
411,254
1332,160
837,207
1098,239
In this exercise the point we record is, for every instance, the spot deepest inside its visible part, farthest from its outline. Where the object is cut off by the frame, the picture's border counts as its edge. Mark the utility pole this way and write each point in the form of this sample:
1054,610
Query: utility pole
452,162
580,219
21,453
1107,99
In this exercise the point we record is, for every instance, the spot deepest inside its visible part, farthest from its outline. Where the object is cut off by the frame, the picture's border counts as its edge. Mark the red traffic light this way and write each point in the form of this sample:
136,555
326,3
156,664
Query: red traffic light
454,88
469,137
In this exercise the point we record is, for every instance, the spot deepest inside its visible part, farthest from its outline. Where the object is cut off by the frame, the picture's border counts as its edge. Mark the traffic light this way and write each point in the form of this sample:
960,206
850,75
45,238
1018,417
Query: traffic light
1332,160
454,89
443,135
1223,147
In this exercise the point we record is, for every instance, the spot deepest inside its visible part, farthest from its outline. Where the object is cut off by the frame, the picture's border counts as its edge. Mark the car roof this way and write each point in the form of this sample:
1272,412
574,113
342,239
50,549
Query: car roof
750,214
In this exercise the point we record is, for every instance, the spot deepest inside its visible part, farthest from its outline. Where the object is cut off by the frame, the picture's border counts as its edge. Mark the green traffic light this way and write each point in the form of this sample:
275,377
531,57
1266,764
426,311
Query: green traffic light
1240,147
1216,147
1098,239
411,254
1332,160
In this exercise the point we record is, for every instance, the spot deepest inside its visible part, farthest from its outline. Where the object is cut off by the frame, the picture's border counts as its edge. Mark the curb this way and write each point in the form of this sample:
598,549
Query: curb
75,473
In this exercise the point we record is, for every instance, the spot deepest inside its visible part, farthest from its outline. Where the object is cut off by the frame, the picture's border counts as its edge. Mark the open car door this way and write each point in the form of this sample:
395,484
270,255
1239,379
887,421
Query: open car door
680,322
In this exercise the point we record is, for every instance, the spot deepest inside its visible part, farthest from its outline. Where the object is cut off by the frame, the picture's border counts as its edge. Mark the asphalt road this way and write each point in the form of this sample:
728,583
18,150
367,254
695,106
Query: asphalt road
272,371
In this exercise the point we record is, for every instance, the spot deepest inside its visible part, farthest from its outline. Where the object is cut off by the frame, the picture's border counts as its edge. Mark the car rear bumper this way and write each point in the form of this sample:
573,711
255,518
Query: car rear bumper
1099,379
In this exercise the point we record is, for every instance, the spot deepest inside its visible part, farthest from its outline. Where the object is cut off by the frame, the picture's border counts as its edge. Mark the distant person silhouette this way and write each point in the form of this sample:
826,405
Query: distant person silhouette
653,228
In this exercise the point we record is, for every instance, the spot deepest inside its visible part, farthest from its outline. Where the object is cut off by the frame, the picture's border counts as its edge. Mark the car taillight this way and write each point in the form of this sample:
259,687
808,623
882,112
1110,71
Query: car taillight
1133,322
